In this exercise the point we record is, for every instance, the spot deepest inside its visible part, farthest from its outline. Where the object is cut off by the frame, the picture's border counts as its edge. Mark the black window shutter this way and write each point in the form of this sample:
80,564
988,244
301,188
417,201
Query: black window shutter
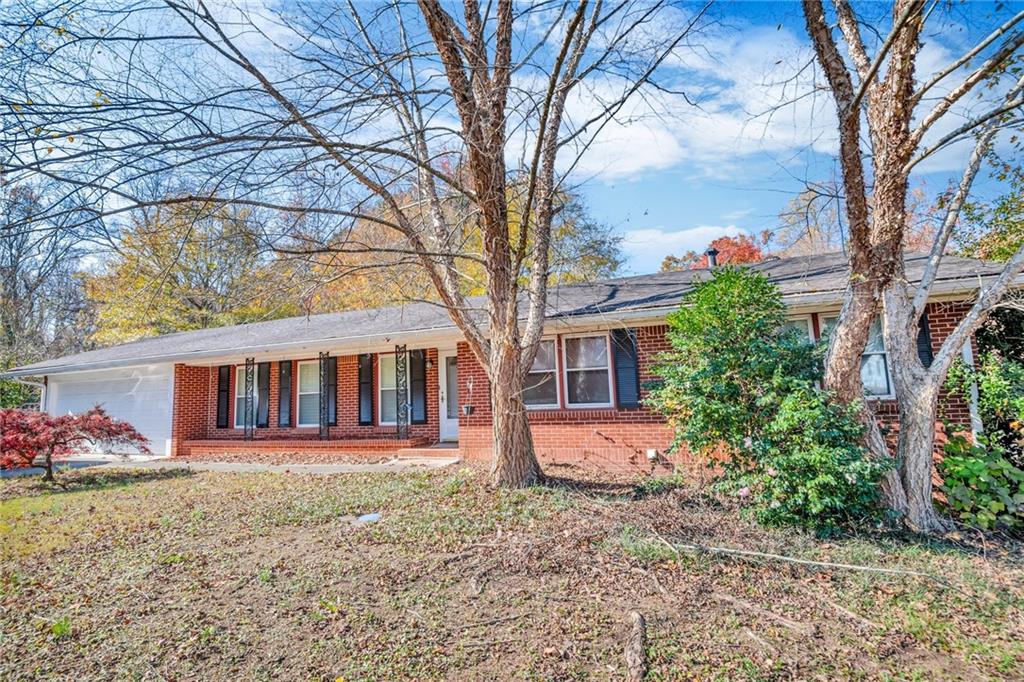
223,395
263,398
418,385
627,369
284,393
365,390
924,341
332,390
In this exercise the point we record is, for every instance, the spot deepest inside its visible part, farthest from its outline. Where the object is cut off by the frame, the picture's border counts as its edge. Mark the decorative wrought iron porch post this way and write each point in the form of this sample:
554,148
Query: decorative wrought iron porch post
249,421
324,385
402,393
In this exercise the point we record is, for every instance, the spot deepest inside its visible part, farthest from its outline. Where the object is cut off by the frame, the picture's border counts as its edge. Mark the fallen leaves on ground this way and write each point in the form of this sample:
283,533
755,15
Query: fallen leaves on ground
140,574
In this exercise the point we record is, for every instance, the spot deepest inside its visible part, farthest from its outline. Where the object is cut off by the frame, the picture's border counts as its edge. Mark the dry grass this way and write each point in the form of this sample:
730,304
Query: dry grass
258,576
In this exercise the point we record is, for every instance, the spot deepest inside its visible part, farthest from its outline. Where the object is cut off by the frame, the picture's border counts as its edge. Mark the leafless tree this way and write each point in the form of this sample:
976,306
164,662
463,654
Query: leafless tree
42,306
386,112
889,120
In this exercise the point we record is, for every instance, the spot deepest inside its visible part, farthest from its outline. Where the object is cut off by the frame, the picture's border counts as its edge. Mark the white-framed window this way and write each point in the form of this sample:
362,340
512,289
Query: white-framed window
387,390
874,364
801,324
240,396
309,393
541,390
588,376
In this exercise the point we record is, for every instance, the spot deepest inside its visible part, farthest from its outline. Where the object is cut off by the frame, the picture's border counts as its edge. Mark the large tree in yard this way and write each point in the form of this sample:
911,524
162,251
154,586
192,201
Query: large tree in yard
43,311
187,266
891,118
342,112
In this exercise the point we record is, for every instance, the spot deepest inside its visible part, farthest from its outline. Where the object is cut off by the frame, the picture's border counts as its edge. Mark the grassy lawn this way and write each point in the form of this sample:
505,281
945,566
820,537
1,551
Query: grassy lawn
257,576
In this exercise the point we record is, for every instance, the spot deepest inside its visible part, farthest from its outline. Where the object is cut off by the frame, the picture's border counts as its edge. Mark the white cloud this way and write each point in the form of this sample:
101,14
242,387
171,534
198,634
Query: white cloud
645,248
737,214
758,90
752,95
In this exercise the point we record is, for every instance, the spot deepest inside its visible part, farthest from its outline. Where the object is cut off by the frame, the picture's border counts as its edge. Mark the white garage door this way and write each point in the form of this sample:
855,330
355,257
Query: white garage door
139,395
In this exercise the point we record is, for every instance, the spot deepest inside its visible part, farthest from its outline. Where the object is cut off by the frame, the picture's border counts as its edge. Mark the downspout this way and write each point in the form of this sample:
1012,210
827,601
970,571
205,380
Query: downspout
976,424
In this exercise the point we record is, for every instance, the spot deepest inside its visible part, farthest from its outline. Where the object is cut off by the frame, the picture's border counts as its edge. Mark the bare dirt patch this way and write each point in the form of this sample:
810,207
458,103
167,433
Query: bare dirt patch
259,576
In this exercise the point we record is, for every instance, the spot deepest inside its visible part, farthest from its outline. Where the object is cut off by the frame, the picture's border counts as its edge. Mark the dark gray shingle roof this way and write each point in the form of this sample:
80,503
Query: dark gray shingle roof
821,278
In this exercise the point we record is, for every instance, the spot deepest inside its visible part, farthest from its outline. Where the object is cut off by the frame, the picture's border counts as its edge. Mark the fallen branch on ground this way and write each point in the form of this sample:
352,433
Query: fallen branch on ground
636,649
750,554
802,628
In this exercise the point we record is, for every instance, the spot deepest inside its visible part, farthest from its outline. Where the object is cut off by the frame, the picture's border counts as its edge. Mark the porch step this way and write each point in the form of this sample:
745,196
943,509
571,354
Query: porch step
447,450
299,446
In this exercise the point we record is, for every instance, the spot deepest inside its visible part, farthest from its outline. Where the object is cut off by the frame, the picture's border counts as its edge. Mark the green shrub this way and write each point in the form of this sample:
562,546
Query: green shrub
652,486
1000,385
811,470
982,487
736,380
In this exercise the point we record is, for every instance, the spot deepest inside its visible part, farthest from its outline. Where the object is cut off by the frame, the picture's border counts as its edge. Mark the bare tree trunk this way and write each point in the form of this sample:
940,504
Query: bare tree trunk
843,379
916,447
917,394
514,461
48,465
848,340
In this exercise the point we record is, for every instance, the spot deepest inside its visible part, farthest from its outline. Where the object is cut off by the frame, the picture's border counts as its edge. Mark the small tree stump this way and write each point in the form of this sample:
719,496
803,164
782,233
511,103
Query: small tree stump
636,648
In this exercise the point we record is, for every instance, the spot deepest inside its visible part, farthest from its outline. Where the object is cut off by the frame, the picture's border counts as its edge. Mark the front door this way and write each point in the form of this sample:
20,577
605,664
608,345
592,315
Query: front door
449,383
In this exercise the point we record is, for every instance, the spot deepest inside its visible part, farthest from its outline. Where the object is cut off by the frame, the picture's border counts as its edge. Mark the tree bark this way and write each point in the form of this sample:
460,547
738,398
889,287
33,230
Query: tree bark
916,445
917,394
48,465
636,648
514,462
843,380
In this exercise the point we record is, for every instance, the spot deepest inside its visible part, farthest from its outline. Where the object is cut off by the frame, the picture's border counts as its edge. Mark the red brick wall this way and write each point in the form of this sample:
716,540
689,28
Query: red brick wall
620,438
199,420
188,417
606,437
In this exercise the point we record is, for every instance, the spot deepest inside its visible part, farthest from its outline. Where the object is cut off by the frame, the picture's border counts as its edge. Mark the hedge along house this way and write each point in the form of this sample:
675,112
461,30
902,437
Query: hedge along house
403,379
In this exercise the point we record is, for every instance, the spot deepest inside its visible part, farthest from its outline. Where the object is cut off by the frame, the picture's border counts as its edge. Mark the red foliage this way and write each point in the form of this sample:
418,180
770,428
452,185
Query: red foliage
736,250
26,435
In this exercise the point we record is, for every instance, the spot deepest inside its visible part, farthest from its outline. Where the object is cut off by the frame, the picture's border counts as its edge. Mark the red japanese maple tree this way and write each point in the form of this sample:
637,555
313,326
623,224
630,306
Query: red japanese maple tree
27,435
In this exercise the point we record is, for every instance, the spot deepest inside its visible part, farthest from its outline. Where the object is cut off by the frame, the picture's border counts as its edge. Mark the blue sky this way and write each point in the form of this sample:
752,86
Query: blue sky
728,165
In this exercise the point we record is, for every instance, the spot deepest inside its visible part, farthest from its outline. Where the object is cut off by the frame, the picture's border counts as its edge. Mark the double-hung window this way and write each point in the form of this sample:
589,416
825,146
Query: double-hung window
309,393
874,364
388,390
541,388
240,396
588,381
801,324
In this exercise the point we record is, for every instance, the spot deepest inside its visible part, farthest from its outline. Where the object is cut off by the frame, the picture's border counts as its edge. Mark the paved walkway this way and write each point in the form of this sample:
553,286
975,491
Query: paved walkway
394,465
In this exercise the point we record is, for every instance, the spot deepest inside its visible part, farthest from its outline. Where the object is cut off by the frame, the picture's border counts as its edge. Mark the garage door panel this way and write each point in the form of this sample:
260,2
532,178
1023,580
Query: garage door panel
141,397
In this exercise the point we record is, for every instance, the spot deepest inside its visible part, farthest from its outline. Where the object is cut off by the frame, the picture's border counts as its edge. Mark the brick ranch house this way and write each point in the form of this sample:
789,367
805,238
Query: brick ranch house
403,379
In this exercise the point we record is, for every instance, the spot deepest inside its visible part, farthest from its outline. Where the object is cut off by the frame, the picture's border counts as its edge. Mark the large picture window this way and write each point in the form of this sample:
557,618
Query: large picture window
541,388
240,396
874,364
309,393
587,371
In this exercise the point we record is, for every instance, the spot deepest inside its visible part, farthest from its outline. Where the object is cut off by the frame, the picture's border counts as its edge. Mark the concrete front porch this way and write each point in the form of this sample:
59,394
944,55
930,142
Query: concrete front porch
300,446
